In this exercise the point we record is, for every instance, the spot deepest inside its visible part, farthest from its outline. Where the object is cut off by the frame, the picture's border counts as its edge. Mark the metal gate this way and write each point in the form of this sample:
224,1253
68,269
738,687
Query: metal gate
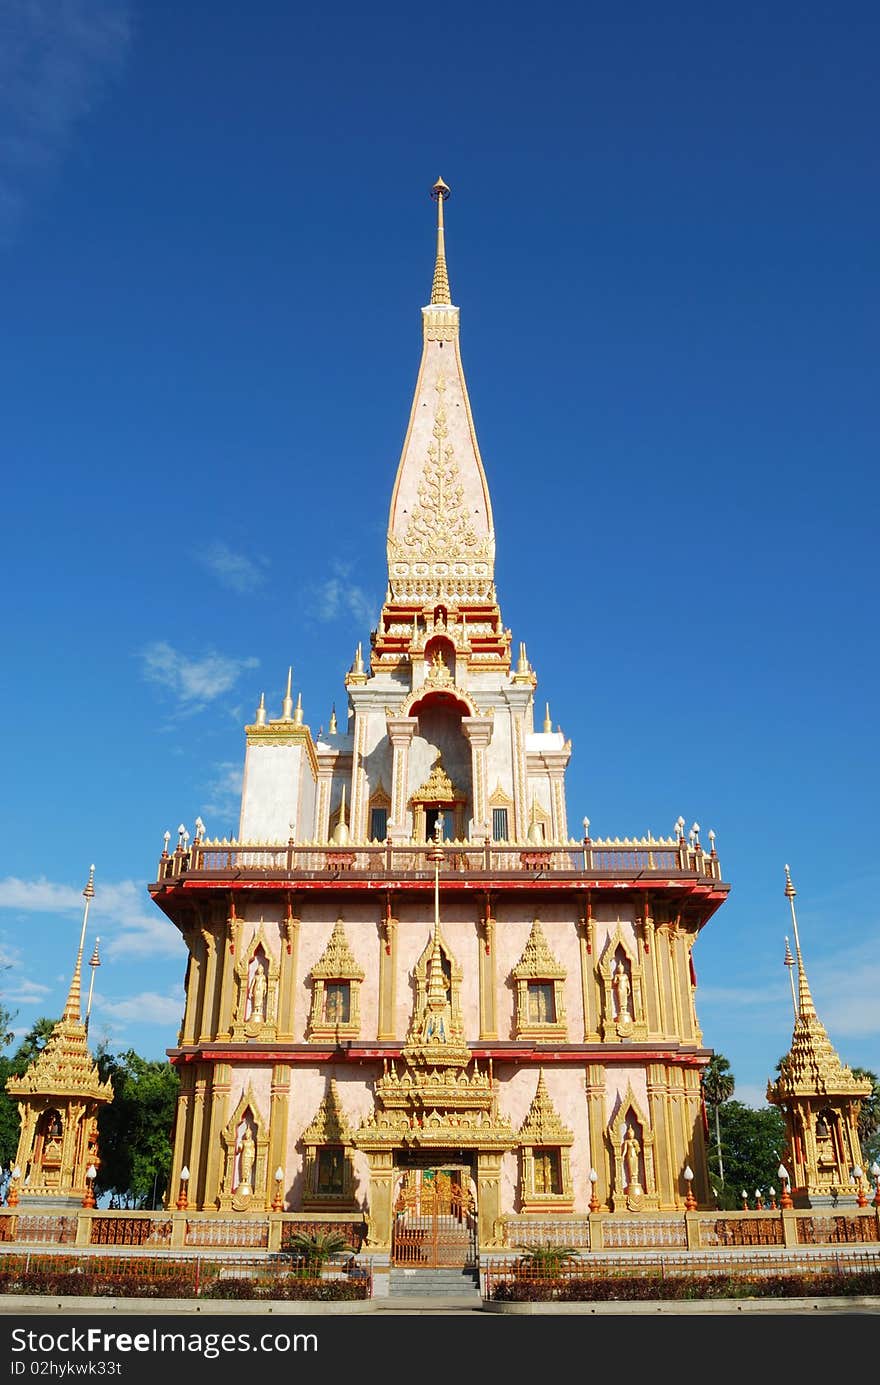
434,1222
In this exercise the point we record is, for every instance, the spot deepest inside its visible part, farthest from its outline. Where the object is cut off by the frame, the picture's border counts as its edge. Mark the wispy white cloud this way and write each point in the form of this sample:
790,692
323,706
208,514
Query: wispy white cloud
338,597
233,570
122,914
194,681
55,62
146,1008
25,991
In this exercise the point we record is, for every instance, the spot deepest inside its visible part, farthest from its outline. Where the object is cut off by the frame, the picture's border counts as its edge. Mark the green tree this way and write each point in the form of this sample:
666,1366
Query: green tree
718,1086
869,1120
753,1143
135,1128
31,1045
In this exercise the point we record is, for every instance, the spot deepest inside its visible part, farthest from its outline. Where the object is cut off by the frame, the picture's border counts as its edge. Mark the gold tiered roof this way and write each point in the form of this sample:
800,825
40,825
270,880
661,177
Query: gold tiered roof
811,1067
65,1067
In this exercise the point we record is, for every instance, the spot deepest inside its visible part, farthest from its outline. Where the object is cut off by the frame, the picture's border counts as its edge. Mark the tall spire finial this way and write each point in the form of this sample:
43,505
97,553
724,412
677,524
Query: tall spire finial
440,286
805,999
548,724
94,963
72,1010
287,703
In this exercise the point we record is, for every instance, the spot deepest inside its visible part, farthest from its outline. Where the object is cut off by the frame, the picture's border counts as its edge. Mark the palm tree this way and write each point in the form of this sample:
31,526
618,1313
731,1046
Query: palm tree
718,1087
313,1250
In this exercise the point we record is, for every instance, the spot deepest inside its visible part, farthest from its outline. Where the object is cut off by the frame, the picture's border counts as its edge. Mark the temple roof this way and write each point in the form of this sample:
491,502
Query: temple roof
440,522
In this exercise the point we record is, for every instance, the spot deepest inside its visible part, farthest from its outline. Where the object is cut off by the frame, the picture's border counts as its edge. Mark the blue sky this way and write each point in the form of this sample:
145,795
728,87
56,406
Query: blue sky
215,238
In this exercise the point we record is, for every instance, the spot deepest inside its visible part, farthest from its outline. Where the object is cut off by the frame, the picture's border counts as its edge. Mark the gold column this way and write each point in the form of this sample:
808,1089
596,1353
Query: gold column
488,1196
400,732
479,733
381,1163
197,1139
664,1132
697,1158
358,778
595,1090
207,1006
193,984
181,1137
279,1111
586,939
229,958
652,978
287,979
487,973
219,1101
387,973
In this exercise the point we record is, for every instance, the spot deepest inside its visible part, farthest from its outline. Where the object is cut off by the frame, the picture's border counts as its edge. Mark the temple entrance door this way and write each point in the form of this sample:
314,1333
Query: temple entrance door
435,1222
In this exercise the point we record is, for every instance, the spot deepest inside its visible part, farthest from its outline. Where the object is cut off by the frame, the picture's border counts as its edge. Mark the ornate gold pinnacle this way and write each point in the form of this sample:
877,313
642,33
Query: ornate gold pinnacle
440,286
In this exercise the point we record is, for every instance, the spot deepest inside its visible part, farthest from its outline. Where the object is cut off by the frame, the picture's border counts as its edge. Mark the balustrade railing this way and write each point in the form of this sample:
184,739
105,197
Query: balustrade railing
627,857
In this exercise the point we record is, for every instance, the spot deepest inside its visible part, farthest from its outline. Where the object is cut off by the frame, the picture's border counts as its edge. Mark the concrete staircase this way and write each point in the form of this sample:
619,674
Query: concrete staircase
450,1282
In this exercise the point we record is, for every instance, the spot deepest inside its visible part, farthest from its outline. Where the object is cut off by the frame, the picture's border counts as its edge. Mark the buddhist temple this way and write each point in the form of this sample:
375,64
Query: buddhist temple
59,1097
408,985
820,1099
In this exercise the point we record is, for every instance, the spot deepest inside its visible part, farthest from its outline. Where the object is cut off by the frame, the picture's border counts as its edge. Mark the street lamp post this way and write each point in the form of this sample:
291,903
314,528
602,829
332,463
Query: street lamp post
690,1201
785,1197
278,1199
861,1196
89,1197
595,1204
183,1200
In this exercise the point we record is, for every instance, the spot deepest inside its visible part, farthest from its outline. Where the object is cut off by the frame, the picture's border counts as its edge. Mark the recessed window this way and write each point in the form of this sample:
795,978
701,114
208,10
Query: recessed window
542,1002
331,1169
548,1178
337,1002
499,824
378,824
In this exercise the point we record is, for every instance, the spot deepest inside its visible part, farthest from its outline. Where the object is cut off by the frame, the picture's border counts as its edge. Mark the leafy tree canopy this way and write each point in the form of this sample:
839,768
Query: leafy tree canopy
869,1119
135,1129
753,1143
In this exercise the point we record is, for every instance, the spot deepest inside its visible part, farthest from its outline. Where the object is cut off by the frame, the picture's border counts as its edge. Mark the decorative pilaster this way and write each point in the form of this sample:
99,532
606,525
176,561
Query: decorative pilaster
290,929
387,973
207,999
479,734
182,1136
193,940
227,975
587,942
219,1100
359,778
594,1087
487,973
491,1221
196,1154
661,1115
279,1111
378,1216
400,732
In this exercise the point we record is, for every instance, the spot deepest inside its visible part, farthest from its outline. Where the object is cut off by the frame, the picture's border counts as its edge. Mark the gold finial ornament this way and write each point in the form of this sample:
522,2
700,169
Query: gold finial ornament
341,835
332,727
287,704
89,891
548,724
440,287
261,711
298,713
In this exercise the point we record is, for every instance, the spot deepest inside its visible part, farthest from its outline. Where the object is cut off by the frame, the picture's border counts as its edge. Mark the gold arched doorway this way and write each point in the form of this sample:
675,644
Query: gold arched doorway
435,1217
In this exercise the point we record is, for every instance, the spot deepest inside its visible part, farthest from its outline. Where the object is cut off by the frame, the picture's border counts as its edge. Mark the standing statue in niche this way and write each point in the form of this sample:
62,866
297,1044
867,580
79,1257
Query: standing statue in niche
258,994
621,987
630,1154
246,1154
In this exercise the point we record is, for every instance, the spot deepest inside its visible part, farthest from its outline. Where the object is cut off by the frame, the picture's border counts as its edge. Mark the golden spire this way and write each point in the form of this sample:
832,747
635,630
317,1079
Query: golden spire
548,724
287,704
805,999
341,835
298,713
72,1010
440,286
332,727
261,711
789,962
94,963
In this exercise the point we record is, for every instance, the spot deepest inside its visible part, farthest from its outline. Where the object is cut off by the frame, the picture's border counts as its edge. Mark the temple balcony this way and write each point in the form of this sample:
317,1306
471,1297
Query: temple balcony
645,859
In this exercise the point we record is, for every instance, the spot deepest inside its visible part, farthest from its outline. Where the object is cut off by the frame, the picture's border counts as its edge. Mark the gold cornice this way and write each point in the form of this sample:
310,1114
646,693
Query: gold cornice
284,733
